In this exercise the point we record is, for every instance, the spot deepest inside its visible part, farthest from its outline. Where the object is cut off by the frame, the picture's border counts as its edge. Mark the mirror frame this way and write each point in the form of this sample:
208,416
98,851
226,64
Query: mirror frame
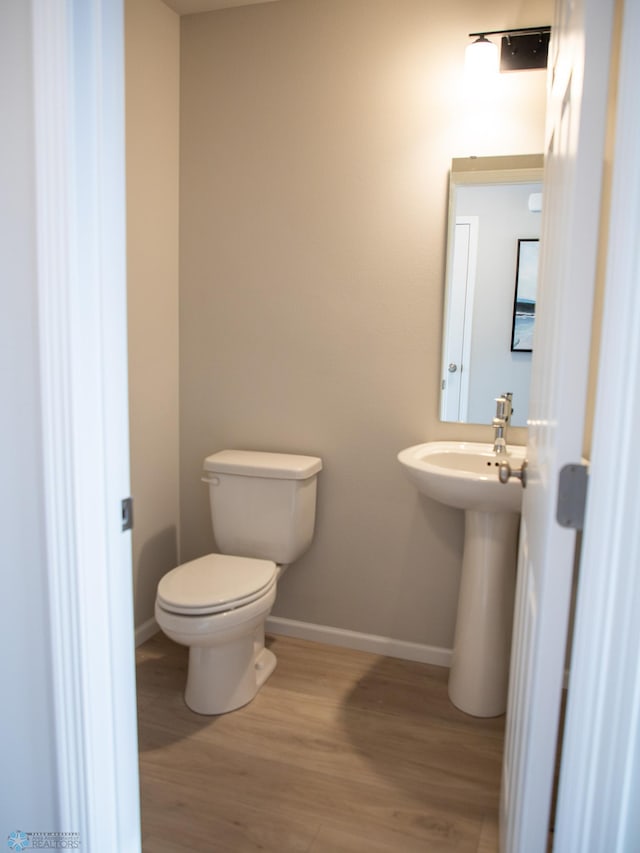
466,171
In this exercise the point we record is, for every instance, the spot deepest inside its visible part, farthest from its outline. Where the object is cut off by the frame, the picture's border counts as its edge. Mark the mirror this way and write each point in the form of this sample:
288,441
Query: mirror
495,206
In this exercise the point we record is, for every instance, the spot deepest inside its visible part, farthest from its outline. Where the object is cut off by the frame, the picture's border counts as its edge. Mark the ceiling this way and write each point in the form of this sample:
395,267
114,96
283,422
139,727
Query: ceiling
189,7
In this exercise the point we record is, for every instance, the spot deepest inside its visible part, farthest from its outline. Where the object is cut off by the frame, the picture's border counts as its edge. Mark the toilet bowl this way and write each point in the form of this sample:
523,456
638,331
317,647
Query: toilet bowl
217,606
263,506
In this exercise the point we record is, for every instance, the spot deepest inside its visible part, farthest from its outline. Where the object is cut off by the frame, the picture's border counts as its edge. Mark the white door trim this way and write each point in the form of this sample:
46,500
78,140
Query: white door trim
470,290
80,213
600,771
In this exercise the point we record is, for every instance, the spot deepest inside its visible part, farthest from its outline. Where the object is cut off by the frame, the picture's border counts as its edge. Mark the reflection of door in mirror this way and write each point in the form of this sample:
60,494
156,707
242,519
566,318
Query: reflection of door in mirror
455,387
494,203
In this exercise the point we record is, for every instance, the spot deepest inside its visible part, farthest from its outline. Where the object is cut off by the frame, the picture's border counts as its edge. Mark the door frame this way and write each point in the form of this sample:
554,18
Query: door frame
78,73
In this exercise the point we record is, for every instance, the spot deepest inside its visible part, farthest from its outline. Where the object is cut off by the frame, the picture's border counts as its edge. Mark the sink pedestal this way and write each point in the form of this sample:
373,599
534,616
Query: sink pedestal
464,475
479,677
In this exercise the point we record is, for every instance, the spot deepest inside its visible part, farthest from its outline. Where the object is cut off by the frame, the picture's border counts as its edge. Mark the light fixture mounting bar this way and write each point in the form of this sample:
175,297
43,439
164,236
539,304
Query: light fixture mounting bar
513,32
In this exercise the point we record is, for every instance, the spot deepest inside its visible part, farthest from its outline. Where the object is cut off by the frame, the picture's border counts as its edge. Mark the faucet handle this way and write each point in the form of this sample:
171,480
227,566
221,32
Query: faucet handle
505,472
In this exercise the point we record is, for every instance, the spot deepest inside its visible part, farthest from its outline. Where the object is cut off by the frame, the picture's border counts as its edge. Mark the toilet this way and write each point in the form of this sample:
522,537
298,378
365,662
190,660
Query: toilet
263,514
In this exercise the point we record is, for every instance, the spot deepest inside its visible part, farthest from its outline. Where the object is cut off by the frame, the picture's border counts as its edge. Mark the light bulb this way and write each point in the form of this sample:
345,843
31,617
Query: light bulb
481,58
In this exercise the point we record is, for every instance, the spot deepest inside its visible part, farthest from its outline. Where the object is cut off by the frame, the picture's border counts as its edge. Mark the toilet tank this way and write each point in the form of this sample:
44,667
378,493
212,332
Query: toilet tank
262,504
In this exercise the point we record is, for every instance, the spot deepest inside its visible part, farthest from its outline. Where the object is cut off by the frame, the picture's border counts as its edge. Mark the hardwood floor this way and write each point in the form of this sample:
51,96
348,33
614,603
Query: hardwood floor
340,752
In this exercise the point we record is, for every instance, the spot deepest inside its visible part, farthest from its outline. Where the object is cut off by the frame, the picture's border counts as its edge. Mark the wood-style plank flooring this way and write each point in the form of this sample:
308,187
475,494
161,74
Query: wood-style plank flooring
340,752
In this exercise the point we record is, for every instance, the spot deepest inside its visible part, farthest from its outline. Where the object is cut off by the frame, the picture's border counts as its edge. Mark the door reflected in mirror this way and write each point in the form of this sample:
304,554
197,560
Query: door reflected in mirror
495,208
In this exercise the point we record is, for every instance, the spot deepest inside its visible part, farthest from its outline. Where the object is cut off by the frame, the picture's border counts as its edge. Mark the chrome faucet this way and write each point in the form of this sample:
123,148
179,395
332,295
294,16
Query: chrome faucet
501,422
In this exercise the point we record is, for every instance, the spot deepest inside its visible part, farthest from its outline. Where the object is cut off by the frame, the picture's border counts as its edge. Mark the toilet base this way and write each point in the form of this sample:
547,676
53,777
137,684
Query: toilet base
264,666
223,678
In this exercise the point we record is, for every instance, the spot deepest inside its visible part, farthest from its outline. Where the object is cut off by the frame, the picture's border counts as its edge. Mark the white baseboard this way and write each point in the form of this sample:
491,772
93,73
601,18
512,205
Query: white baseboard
335,637
360,642
145,631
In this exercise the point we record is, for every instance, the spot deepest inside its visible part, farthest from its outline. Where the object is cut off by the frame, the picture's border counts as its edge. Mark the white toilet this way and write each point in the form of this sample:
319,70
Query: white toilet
263,512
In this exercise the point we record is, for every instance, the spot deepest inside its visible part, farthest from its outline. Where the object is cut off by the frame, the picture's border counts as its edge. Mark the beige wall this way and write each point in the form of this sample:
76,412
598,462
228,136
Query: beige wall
152,105
316,137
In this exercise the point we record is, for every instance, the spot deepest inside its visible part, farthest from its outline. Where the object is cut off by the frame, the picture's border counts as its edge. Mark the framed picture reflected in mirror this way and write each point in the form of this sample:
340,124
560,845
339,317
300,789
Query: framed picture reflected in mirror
524,302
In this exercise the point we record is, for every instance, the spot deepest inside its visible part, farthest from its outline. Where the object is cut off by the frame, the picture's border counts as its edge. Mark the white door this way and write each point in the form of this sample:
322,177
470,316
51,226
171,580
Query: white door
456,360
579,69
600,775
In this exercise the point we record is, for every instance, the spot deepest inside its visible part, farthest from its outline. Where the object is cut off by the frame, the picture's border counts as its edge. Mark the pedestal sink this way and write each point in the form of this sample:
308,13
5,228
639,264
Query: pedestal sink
465,475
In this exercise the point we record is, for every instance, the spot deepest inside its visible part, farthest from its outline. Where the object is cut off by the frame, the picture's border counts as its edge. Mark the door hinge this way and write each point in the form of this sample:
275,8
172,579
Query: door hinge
572,496
127,514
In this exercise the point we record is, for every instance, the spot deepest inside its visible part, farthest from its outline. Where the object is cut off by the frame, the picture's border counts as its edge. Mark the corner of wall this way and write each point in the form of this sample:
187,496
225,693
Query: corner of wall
152,36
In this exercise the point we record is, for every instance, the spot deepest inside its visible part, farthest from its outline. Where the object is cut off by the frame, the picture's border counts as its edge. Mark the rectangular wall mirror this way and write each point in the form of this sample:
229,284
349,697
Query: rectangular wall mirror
495,206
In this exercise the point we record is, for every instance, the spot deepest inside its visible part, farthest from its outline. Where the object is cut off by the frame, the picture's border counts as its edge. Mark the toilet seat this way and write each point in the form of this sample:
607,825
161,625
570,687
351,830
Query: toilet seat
215,583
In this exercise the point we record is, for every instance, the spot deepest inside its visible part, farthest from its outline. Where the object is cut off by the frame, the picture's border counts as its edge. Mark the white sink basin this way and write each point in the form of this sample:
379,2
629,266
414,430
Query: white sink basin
464,474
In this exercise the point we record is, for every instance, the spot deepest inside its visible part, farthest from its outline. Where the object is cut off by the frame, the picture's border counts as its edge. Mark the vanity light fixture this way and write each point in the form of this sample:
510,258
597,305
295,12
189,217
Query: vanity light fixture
520,49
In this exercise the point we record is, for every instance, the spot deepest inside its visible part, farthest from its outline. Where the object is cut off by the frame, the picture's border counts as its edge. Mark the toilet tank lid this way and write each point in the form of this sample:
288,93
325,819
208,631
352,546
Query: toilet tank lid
255,463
